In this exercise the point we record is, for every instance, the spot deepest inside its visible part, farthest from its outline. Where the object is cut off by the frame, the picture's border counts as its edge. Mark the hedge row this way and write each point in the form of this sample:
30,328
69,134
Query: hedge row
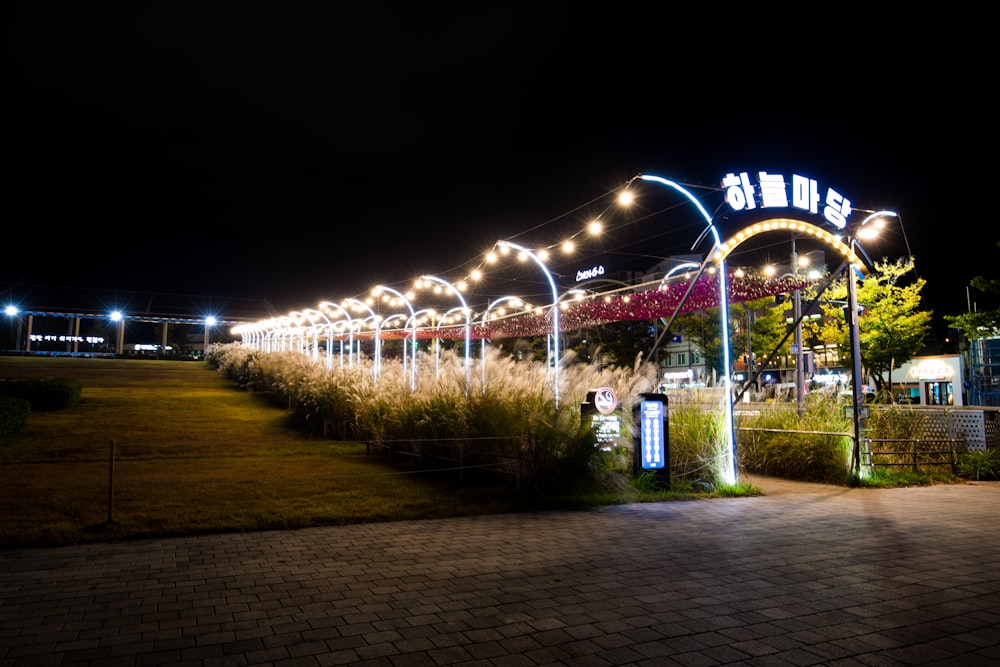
43,393
13,415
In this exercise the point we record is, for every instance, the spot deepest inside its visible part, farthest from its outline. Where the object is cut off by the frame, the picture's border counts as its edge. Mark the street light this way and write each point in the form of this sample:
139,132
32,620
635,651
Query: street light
468,323
12,311
117,316
310,313
378,342
852,305
730,470
490,305
416,318
210,322
683,266
374,319
361,306
553,360
323,306
437,327
409,306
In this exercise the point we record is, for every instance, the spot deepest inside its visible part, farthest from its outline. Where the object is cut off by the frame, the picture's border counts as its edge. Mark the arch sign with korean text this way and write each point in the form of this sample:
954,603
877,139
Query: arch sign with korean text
773,191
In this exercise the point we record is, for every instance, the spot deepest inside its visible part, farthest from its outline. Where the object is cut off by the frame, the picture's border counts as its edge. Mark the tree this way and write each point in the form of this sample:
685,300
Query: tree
979,324
891,325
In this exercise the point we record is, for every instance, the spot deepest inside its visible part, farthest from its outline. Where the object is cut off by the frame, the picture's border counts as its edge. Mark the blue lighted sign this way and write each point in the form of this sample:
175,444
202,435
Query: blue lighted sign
772,191
651,434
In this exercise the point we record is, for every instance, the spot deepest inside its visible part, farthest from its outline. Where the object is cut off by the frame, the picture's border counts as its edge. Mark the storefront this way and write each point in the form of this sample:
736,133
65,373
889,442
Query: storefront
931,380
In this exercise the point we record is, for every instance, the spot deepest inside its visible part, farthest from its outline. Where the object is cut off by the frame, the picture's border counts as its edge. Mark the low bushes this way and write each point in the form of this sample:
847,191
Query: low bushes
43,393
815,447
14,414
511,419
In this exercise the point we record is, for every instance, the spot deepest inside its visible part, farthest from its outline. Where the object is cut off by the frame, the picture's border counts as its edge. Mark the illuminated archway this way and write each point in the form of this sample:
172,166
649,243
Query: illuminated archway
788,225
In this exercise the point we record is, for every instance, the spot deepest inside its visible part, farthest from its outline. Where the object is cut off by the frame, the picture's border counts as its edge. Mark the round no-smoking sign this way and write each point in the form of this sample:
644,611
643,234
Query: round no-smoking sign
605,400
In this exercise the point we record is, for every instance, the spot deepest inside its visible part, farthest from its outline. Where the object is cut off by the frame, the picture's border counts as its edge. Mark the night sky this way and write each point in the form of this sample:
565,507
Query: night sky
264,160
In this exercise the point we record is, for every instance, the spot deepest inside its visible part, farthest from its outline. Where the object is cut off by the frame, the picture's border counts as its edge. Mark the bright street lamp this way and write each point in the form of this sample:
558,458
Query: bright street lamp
553,360
310,314
446,318
359,307
323,306
730,470
409,306
12,311
117,316
378,342
416,318
468,323
517,302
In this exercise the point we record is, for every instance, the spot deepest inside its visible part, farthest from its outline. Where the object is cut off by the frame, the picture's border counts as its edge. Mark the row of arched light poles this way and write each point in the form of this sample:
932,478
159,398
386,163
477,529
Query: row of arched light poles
266,335
271,335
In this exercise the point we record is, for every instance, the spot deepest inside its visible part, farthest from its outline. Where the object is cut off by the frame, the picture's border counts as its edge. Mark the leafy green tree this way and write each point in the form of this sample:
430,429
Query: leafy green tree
622,342
982,323
891,325
766,328
703,329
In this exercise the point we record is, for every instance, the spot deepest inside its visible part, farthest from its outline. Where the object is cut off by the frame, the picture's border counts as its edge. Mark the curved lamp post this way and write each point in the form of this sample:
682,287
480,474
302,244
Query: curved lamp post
710,228
361,306
486,320
409,306
378,342
684,266
553,360
310,314
415,319
299,318
376,347
437,327
468,323
323,305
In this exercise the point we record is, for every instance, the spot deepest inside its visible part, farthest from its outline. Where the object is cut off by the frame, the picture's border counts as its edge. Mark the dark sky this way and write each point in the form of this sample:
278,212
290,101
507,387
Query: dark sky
264,160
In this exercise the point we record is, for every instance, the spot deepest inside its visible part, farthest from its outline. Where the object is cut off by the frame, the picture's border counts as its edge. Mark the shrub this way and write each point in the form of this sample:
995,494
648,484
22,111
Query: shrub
512,417
815,446
14,414
980,465
43,393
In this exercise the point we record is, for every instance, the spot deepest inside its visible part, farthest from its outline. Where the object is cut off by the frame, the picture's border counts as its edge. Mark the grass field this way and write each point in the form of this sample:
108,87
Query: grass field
165,448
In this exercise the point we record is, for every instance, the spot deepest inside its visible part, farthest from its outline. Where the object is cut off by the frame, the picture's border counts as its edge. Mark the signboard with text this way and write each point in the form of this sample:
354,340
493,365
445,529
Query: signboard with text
773,191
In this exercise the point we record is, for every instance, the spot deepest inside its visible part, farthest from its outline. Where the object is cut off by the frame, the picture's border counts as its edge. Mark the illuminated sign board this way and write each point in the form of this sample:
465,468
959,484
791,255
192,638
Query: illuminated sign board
932,369
590,274
772,191
608,428
52,338
651,434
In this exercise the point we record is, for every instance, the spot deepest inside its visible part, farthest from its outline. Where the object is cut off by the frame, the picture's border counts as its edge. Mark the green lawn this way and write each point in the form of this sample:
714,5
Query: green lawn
192,453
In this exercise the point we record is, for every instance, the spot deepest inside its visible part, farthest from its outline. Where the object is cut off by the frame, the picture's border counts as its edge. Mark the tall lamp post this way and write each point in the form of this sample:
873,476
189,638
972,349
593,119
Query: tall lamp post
210,322
416,318
486,320
311,314
378,341
13,312
468,323
361,306
117,316
409,307
857,401
710,228
553,360
445,318
323,306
